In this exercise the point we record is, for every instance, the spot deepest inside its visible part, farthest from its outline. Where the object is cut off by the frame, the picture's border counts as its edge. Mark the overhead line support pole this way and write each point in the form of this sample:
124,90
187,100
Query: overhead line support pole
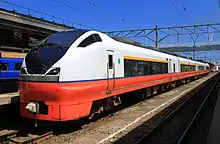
156,43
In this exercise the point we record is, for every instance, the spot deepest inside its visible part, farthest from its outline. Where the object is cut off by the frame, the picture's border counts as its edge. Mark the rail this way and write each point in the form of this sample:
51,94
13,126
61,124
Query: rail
15,136
156,132
184,136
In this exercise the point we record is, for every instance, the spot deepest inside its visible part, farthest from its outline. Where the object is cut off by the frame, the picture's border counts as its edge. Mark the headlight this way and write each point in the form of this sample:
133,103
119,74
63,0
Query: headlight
54,71
23,71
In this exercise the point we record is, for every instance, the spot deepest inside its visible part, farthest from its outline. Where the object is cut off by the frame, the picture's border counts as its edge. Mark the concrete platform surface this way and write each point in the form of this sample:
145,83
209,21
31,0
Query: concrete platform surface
214,131
9,98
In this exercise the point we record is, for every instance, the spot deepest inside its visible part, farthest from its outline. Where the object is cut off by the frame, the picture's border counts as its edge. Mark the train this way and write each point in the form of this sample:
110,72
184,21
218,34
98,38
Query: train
74,74
216,68
10,64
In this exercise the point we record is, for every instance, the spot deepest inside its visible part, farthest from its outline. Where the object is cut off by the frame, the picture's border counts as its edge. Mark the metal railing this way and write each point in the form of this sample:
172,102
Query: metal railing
40,15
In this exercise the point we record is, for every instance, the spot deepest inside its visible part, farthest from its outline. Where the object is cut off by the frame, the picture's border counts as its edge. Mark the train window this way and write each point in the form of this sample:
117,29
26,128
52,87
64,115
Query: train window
156,68
17,66
147,68
3,66
201,67
89,40
127,71
130,67
97,38
174,68
164,68
192,68
110,61
185,68
182,68
64,38
140,68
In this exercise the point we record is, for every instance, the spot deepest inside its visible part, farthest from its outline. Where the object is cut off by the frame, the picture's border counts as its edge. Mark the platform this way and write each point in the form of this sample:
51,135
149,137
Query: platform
9,98
213,136
113,127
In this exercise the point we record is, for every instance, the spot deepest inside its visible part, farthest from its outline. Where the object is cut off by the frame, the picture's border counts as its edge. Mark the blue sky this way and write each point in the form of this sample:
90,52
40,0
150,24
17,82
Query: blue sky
110,15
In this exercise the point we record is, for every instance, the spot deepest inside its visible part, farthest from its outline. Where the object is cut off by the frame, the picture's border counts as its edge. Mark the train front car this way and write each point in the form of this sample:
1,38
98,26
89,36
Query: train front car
55,76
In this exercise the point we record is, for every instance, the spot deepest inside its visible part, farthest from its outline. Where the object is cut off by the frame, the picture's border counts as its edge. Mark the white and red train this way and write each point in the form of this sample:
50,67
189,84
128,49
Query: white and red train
73,73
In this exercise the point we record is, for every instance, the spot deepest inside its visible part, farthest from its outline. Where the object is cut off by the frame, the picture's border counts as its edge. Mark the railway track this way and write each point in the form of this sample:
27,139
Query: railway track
8,85
177,126
22,137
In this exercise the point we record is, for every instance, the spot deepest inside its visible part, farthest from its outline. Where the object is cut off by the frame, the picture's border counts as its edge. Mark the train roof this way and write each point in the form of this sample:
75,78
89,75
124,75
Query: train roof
130,42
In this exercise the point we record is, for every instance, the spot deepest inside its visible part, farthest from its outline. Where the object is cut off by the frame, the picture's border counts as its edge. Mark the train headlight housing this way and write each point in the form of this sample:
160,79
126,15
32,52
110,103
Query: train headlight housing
54,71
23,71
32,107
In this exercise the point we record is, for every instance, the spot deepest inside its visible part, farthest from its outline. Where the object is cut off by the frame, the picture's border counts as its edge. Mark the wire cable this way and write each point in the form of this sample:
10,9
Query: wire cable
177,10
75,9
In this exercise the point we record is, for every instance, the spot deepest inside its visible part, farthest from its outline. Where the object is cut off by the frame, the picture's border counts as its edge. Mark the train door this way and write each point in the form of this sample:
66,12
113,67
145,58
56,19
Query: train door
178,65
170,66
110,71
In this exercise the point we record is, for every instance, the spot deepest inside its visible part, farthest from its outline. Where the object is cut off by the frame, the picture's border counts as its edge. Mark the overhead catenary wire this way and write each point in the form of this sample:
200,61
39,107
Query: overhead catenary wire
178,11
181,16
93,4
203,17
64,4
74,9
199,19
212,18
186,10
73,24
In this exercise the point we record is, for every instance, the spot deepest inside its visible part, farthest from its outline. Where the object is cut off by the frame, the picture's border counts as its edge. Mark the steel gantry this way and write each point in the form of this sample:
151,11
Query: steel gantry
176,37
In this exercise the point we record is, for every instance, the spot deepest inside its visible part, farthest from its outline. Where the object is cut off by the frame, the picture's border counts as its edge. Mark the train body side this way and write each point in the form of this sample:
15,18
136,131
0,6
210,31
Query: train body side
66,90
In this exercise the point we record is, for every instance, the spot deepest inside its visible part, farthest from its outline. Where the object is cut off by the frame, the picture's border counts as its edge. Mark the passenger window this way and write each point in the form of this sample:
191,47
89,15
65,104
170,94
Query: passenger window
17,66
110,61
89,40
139,68
3,66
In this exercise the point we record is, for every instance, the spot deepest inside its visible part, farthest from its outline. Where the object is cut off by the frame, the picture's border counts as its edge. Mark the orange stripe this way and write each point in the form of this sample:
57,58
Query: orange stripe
145,59
188,64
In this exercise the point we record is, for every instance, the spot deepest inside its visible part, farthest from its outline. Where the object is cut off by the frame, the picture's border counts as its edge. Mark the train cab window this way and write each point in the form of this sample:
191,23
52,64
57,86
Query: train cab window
110,61
89,40
174,68
17,66
3,66
97,38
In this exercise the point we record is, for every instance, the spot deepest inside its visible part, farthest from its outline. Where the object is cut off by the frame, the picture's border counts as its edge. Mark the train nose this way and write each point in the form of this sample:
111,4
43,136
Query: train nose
32,107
